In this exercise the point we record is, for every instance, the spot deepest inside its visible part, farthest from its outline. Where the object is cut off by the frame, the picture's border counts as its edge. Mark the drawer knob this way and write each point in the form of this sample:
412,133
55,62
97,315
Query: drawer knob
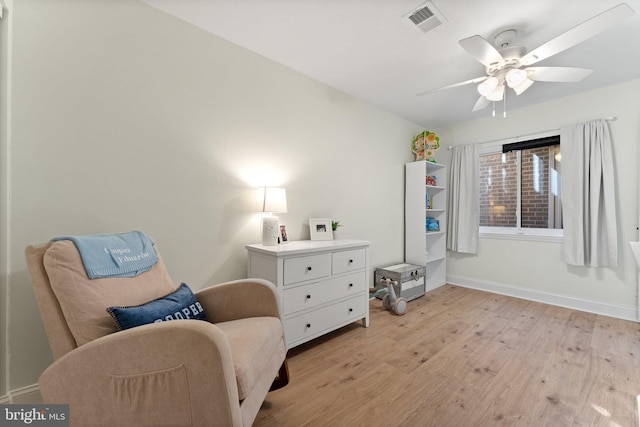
308,325
350,261
351,285
350,310
309,268
308,296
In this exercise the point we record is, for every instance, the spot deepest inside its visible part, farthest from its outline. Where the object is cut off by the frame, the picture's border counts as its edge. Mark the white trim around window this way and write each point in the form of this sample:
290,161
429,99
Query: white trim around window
532,234
514,233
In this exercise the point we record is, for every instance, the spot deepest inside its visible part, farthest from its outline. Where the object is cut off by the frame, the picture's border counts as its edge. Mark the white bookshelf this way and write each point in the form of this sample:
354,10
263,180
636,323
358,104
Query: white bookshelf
422,247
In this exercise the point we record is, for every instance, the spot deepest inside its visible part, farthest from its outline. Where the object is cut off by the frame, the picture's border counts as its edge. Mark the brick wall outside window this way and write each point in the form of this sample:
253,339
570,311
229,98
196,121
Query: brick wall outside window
535,189
498,189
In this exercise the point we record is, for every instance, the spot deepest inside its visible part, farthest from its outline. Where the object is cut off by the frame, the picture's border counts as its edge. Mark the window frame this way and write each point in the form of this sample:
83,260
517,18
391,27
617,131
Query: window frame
518,233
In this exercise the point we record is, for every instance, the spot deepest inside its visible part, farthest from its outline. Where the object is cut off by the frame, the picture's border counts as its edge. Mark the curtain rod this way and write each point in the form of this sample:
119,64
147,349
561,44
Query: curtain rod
493,141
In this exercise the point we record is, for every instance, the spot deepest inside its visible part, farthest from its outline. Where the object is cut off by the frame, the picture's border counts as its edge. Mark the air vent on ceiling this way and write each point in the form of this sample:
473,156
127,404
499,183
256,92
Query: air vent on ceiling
426,17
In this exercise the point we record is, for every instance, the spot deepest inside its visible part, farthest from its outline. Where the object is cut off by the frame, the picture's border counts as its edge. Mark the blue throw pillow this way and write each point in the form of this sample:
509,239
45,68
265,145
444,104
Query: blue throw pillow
181,304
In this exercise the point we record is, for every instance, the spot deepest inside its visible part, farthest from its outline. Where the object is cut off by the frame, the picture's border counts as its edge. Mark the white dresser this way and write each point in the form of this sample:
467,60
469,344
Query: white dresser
323,285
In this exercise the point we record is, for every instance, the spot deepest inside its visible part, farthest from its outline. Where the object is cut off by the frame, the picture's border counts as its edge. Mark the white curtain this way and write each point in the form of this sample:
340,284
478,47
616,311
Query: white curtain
463,218
588,195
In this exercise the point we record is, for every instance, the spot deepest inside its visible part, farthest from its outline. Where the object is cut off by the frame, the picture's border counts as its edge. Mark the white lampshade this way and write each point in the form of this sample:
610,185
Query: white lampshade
487,87
515,77
523,86
497,94
272,199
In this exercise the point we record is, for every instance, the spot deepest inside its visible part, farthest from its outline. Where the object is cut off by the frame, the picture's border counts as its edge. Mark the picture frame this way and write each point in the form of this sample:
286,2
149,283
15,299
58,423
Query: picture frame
320,229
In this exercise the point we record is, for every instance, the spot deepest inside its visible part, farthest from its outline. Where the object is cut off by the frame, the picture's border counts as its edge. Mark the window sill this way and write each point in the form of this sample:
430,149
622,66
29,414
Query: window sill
530,234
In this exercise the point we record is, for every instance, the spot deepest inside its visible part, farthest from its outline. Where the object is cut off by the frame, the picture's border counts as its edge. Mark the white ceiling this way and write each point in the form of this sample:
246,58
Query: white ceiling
370,50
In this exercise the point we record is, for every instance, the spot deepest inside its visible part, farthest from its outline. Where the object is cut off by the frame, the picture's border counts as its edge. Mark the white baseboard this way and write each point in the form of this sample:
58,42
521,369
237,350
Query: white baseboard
26,395
620,312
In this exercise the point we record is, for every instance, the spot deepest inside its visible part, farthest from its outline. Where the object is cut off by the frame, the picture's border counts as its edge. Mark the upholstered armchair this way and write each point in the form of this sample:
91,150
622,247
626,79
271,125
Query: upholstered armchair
169,373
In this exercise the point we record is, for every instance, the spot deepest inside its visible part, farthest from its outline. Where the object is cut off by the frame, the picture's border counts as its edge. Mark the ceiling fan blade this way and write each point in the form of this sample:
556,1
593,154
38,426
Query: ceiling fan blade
578,34
557,74
482,50
476,80
481,104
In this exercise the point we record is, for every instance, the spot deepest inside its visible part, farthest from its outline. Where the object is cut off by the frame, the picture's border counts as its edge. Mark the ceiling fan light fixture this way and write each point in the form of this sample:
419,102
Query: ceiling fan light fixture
515,77
497,94
523,86
487,87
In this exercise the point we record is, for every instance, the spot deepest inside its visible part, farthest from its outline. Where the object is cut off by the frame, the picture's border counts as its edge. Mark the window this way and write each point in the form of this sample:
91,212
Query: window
520,188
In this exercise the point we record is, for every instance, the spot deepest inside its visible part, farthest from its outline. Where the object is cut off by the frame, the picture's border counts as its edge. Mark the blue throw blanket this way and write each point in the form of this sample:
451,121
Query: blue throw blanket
115,255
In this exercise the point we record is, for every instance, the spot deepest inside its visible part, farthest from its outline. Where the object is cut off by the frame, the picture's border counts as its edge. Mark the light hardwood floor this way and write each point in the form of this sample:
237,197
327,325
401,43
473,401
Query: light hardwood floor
462,357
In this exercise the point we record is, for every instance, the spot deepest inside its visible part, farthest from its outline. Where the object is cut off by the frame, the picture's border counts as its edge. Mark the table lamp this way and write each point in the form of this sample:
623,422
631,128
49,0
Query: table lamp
272,200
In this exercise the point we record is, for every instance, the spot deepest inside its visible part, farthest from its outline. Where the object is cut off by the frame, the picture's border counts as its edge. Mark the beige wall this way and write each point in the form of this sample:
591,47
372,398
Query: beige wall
536,269
125,118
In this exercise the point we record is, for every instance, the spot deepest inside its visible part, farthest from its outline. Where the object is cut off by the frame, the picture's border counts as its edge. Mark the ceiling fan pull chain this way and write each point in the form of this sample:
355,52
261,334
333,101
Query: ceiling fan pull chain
504,105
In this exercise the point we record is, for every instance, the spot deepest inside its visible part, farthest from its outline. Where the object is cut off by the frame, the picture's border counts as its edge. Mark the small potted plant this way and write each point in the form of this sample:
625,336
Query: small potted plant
335,225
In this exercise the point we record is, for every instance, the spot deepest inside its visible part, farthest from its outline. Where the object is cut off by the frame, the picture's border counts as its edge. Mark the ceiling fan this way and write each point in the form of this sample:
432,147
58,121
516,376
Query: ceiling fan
510,66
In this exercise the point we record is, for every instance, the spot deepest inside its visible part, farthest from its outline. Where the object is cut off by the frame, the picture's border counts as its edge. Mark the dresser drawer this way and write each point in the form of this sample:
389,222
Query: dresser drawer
348,260
316,322
309,296
304,268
